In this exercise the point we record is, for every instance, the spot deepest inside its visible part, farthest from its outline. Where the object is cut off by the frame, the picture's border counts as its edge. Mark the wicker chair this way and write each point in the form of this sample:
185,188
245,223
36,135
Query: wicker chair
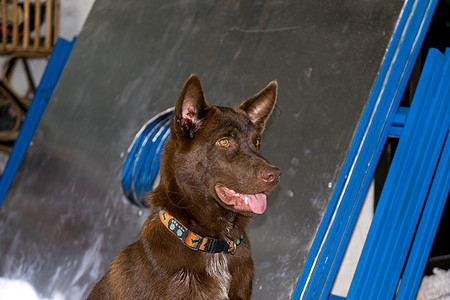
28,29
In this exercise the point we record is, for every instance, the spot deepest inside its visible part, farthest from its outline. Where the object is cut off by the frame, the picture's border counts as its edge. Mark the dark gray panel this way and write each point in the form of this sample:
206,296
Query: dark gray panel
65,217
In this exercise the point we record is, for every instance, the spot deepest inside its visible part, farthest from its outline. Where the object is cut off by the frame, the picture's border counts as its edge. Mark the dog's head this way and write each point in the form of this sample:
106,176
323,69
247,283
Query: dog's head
213,152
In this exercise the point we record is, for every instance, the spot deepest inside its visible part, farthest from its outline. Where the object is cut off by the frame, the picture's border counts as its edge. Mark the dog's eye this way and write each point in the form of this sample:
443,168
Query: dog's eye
258,143
224,142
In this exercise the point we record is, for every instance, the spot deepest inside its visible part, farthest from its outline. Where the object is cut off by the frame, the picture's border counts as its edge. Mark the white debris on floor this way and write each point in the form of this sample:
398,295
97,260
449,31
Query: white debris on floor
436,286
14,289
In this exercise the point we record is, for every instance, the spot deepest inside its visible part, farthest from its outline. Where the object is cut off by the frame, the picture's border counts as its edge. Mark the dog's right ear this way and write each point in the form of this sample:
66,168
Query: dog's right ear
190,108
260,106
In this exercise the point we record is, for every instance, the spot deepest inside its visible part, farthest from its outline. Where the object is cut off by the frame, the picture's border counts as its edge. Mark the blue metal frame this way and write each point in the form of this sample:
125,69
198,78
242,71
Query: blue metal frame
337,225
142,162
55,66
406,189
433,208
151,162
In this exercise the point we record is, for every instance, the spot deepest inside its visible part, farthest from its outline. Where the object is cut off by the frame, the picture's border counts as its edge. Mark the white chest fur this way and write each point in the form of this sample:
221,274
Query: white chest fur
218,269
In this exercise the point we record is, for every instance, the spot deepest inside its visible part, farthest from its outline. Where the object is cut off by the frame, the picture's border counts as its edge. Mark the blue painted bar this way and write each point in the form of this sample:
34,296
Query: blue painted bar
147,151
435,201
421,174
132,181
430,217
367,260
395,219
149,161
375,234
55,66
336,228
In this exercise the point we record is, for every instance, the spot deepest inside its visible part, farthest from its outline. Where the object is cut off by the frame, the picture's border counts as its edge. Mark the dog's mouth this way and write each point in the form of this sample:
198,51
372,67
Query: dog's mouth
255,203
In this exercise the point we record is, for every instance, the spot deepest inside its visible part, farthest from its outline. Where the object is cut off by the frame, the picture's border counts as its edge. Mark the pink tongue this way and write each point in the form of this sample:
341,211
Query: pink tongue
257,203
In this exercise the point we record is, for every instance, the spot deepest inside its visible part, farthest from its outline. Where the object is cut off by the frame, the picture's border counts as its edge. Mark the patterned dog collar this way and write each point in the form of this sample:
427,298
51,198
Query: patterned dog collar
195,241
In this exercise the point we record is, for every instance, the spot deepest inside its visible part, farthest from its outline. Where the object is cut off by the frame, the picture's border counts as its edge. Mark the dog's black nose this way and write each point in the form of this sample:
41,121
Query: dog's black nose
270,174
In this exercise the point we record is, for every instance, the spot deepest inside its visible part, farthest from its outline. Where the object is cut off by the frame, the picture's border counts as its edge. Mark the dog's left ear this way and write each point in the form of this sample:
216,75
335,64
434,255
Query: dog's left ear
190,108
260,106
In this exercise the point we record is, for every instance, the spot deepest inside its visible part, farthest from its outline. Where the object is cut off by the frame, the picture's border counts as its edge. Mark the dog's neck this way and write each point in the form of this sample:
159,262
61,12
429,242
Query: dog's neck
213,220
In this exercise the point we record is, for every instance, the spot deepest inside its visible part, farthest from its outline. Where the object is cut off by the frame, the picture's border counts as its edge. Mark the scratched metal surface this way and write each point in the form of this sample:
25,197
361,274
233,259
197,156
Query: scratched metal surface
65,218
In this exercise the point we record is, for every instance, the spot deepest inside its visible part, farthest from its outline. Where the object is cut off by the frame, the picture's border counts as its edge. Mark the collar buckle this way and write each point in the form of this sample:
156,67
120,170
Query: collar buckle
216,246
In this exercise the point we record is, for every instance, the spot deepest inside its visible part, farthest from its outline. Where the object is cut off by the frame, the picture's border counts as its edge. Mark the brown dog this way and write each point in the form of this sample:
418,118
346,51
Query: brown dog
213,179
